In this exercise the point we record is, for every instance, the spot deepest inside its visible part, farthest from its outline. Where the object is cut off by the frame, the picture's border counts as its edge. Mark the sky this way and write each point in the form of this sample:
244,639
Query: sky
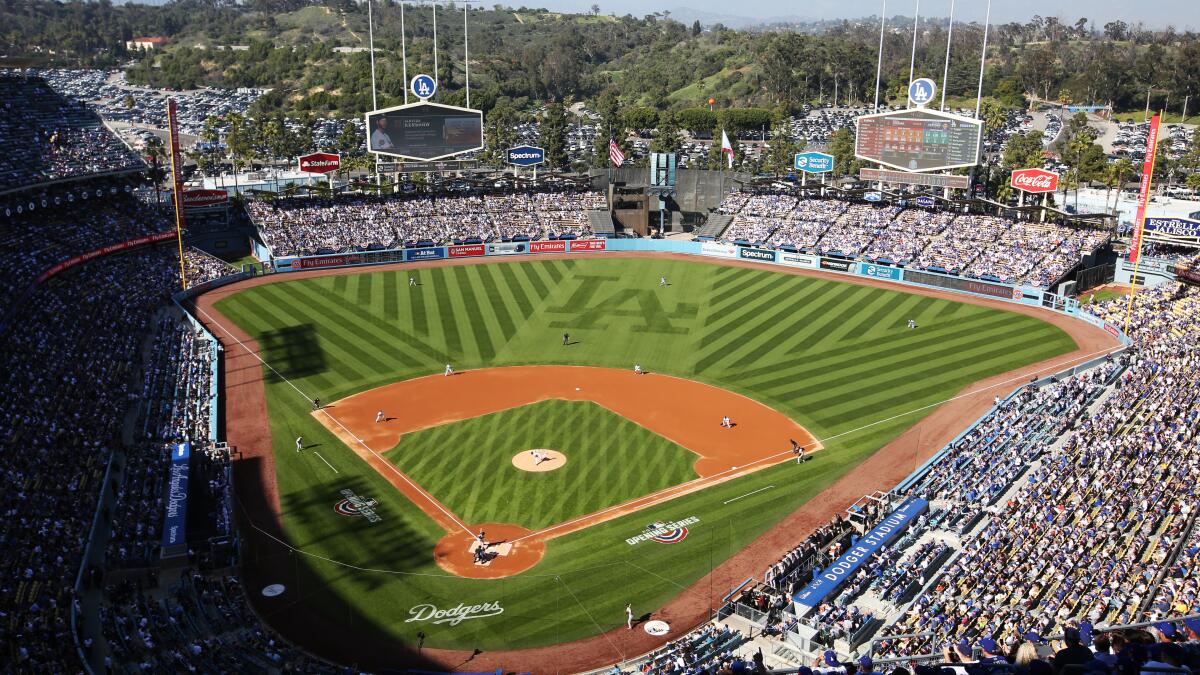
1183,14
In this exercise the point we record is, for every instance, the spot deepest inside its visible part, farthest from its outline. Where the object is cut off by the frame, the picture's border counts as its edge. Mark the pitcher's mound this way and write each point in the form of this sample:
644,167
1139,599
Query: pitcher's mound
539,459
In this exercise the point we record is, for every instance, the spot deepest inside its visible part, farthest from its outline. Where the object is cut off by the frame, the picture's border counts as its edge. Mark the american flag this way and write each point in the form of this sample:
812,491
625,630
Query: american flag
614,153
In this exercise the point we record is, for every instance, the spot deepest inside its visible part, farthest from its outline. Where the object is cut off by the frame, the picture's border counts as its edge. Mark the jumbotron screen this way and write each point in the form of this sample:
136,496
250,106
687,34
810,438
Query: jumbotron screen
918,140
424,131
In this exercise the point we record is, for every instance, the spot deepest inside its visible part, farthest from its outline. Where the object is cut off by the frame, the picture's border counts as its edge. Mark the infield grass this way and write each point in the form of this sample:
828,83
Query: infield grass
834,356
609,460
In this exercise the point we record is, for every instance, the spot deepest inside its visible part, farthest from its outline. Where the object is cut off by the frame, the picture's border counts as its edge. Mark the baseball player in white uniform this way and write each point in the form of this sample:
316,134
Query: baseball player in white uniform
379,417
299,443
449,370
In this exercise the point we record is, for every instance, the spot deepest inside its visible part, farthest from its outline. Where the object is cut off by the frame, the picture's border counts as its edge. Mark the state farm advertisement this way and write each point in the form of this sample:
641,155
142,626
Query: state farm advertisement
1035,181
547,246
320,162
587,245
466,251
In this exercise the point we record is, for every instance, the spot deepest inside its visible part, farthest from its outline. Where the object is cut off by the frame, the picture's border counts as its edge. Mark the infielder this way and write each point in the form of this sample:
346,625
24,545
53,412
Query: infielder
299,443
637,369
449,370
379,417
726,422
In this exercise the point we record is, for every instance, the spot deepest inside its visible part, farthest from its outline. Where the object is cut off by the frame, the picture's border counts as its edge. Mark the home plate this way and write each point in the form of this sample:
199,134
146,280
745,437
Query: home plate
502,549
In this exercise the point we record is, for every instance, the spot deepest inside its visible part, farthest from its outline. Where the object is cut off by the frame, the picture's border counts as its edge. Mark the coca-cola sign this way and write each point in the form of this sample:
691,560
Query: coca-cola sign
1034,180
320,162
194,199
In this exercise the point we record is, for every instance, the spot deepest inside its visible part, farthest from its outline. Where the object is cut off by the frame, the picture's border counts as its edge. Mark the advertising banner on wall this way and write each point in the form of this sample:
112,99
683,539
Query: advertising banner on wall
466,250
435,253
759,254
1135,247
837,264
547,246
507,248
798,259
879,271
960,284
588,244
174,531
717,249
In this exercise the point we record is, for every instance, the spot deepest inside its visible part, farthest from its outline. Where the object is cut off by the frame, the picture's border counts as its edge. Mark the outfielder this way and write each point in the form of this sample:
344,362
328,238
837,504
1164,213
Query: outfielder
662,281
299,443
412,281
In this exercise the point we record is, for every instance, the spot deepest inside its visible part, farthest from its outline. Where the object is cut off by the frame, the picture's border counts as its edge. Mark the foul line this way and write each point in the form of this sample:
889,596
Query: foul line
729,501
368,448
326,462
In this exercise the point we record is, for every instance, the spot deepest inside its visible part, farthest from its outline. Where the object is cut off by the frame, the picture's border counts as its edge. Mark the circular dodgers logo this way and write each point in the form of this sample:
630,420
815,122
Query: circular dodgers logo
274,590
657,628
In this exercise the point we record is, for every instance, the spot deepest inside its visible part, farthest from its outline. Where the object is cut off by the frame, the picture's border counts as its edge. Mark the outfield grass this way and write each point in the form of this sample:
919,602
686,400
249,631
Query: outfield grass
468,465
835,357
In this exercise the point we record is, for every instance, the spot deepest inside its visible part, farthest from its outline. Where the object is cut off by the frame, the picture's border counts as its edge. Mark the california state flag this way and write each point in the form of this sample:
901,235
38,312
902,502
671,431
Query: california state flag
727,148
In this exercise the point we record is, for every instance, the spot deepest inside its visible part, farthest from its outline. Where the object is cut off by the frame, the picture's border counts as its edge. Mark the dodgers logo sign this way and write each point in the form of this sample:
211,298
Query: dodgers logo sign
927,202
423,86
814,162
526,155
920,92
873,196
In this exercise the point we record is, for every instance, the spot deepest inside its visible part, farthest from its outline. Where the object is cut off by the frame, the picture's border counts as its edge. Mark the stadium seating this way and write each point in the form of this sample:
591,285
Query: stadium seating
305,226
49,137
983,247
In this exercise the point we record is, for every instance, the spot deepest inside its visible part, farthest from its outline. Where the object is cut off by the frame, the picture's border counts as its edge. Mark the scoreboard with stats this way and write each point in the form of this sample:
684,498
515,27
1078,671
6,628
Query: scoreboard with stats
918,140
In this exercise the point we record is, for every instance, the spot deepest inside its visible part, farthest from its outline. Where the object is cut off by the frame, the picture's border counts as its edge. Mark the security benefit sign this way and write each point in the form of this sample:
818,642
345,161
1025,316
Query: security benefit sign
844,567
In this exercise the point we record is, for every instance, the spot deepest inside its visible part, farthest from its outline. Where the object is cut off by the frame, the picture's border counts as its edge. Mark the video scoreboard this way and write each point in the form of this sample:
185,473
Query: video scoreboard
919,140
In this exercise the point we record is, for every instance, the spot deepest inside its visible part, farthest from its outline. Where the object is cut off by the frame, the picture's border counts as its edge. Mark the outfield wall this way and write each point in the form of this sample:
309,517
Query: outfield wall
1025,295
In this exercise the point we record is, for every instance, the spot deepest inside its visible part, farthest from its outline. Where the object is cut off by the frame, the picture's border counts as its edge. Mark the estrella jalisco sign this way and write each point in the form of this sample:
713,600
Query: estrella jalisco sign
1175,227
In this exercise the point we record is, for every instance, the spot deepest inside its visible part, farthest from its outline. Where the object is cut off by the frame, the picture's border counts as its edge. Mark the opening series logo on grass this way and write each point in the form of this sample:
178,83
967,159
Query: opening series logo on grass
665,533
353,505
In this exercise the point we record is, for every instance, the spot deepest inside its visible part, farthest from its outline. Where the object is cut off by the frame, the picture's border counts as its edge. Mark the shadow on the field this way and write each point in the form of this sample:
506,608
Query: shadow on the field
293,352
388,543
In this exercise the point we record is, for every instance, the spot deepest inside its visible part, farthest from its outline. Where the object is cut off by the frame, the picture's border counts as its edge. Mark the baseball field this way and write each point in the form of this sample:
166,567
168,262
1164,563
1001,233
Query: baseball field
543,352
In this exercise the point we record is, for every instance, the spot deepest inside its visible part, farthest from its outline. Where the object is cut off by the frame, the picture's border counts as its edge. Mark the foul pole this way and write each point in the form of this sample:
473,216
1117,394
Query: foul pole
1135,250
176,187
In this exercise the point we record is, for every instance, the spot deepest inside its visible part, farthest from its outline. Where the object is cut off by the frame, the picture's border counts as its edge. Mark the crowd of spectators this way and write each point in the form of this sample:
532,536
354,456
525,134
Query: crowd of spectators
202,267
48,137
200,623
984,247
1087,536
35,241
704,651
305,226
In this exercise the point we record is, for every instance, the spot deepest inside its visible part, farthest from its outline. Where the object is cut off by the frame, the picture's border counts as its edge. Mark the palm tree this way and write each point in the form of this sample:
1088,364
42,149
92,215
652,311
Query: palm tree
1115,178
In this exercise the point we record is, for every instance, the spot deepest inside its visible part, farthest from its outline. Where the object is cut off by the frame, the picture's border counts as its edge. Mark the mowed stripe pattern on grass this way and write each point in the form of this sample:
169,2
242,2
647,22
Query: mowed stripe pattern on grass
833,356
610,460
